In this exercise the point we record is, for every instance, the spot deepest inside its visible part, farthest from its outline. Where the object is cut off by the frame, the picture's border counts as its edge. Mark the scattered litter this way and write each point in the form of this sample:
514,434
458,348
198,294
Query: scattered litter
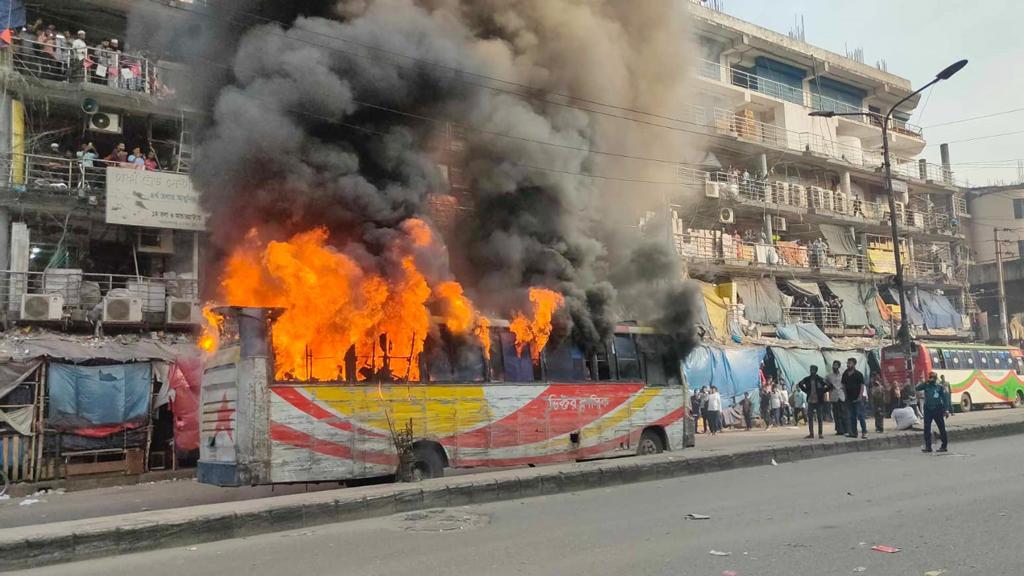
885,549
719,553
774,463
862,544
59,491
29,501
192,548
860,569
934,573
5,496
692,516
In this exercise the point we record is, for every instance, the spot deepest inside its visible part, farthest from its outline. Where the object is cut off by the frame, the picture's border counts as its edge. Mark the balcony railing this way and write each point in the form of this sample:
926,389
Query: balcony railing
62,63
780,91
85,291
824,317
711,246
54,174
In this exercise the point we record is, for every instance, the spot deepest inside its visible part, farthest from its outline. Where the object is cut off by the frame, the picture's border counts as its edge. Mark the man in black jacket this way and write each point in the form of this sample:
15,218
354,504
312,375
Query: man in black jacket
853,386
816,388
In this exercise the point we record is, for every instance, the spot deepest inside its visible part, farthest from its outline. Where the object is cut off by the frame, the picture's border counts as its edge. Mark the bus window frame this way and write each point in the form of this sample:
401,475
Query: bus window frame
938,361
951,360
639,372
967,358
984,360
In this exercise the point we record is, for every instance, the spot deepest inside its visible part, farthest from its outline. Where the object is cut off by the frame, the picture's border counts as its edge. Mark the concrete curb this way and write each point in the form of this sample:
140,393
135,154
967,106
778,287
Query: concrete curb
33,546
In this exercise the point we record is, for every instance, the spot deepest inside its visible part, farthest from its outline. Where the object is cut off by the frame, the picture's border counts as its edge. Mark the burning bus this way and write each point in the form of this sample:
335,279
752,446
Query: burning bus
461,406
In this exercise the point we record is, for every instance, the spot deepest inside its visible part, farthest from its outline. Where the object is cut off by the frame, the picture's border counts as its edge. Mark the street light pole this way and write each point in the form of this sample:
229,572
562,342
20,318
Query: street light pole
904,330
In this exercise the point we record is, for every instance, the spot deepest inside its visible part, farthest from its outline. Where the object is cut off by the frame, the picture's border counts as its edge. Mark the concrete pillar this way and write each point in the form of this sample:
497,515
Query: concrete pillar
18,264
5,238
947,172
922,169
844,184
762,163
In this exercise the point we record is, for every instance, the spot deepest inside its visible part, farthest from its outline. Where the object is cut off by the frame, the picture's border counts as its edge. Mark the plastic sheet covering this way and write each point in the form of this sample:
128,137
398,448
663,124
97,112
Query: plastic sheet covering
12,374
100,395
805,333
860,307
881,261
938,311
762,300
913,310
733,370
842,355
794,364
804,288
20,419
184,378
81,349
840,239
716,312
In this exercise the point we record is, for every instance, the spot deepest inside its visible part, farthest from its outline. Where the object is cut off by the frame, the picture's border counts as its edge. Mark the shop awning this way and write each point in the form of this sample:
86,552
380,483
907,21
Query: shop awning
840,239
810,289
762,300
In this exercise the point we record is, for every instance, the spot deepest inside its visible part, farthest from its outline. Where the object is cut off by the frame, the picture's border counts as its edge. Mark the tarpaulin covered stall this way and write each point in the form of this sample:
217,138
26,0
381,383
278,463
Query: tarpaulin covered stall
762,300
794,364
733,370
90,403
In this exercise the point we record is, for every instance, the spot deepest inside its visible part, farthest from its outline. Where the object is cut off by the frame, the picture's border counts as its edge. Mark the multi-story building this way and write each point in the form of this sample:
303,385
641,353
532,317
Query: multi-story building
997,224
787,216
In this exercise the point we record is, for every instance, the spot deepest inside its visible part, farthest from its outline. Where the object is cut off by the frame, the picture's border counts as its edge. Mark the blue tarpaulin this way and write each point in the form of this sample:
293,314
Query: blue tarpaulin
937,310
913,312
12,14
733,370
100,394
804,333
794,364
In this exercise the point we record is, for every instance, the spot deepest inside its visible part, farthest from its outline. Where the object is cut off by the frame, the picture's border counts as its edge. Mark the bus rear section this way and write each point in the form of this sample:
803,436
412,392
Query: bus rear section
260,430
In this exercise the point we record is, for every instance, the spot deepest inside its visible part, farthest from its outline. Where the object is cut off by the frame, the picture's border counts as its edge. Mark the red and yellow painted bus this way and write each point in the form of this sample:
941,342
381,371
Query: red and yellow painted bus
977,375
468,409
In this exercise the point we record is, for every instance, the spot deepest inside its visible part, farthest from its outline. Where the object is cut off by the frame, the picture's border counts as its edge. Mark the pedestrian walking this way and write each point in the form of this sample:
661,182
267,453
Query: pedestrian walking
879,402
936,408
853,387
775,403
837,398
714,410
799,405
747,407
817,389
787,408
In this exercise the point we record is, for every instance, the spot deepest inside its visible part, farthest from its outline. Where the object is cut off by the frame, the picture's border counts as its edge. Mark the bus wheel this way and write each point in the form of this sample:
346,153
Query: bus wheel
965,403
650,443
1019,400
427,463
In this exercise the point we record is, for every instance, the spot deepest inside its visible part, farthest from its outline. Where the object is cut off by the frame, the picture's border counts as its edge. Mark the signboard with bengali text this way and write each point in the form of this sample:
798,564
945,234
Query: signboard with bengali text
153,199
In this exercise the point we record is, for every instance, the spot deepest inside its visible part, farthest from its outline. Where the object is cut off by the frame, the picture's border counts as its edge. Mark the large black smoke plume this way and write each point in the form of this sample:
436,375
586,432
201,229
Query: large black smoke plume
331,116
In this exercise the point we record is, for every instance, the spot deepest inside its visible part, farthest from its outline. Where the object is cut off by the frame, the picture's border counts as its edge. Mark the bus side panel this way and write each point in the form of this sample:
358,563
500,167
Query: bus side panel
984,386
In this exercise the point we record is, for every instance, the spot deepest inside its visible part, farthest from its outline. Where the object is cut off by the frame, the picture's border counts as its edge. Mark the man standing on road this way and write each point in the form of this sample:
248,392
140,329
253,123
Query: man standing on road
837,398
879,402
853,387
714,410
748,410
936,408
816,389
799,405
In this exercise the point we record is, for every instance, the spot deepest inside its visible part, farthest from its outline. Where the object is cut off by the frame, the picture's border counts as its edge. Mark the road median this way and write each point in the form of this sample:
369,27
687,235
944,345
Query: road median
72,541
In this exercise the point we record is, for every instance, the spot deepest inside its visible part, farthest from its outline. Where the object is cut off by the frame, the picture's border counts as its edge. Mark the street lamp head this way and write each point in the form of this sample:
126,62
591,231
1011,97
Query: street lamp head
953,68
822,113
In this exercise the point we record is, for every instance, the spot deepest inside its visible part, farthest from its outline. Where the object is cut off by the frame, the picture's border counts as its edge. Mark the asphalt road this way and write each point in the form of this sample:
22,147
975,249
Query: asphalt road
960,513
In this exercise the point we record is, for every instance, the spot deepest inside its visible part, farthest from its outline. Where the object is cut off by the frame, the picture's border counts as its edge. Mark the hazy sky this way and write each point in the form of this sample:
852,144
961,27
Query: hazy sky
917,38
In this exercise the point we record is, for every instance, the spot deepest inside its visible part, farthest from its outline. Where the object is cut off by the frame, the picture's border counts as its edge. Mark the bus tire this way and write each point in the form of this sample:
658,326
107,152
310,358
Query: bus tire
1018,400
428,461
965,403
650,443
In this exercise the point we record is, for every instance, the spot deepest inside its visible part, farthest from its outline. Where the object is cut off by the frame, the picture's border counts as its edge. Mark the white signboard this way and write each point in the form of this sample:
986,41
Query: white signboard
153,199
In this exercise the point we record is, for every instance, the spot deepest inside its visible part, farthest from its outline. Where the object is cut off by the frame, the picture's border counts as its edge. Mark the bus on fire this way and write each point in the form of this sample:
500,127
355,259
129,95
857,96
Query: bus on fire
978,375
469,408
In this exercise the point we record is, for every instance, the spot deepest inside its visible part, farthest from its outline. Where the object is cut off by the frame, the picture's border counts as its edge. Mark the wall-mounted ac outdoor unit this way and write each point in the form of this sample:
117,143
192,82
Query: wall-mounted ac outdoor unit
183,311
778,224
798,195
711,190
122,310
105,122
725,216
42,307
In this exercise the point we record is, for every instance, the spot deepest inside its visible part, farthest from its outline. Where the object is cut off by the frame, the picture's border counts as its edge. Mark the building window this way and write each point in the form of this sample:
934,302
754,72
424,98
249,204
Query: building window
1018,208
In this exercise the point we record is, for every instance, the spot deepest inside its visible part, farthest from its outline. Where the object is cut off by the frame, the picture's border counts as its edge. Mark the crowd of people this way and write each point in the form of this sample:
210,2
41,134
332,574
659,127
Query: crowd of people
843,397
62,168
56,54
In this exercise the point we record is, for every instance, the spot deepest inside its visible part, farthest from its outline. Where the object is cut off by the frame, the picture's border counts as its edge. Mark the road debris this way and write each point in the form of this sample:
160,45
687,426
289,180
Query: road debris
885,549
719,553
30,501
192,548
774,463
934,573
694,516
860,569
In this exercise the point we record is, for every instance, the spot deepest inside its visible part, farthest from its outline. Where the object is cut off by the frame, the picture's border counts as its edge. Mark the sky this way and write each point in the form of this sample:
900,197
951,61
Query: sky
918,38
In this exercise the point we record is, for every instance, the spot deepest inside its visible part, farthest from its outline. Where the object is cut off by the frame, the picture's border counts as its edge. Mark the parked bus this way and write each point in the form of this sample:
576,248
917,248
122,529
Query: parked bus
468,410
977,375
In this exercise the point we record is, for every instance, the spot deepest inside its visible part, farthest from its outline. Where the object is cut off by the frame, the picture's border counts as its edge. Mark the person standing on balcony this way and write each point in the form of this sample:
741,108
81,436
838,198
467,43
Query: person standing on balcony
152,163
79,55
853,386
837,398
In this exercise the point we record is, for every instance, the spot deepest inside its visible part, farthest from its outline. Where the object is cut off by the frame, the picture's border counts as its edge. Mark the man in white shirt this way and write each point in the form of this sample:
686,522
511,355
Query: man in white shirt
715,410
838,398
79,52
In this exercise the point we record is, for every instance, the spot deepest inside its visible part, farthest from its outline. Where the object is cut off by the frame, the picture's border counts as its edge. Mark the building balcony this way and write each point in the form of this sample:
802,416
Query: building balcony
112,69
72,297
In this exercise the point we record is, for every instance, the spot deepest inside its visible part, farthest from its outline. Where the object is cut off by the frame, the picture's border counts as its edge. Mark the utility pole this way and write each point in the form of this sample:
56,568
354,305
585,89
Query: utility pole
1004,321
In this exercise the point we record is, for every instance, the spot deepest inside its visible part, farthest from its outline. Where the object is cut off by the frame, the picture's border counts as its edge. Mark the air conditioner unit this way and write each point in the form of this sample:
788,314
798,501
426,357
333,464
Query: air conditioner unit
105,122
779,193
122,310
778,224
711,190
840,203
156,241
183,311
725,216
818,197
798,194
42,307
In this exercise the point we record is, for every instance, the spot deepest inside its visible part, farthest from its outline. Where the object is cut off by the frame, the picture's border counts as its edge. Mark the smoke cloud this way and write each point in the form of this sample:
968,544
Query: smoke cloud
336,118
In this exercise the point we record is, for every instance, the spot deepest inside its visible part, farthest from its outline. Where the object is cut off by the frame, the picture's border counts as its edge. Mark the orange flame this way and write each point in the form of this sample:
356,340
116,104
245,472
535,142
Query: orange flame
483,333
536,331
338,316
208,339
